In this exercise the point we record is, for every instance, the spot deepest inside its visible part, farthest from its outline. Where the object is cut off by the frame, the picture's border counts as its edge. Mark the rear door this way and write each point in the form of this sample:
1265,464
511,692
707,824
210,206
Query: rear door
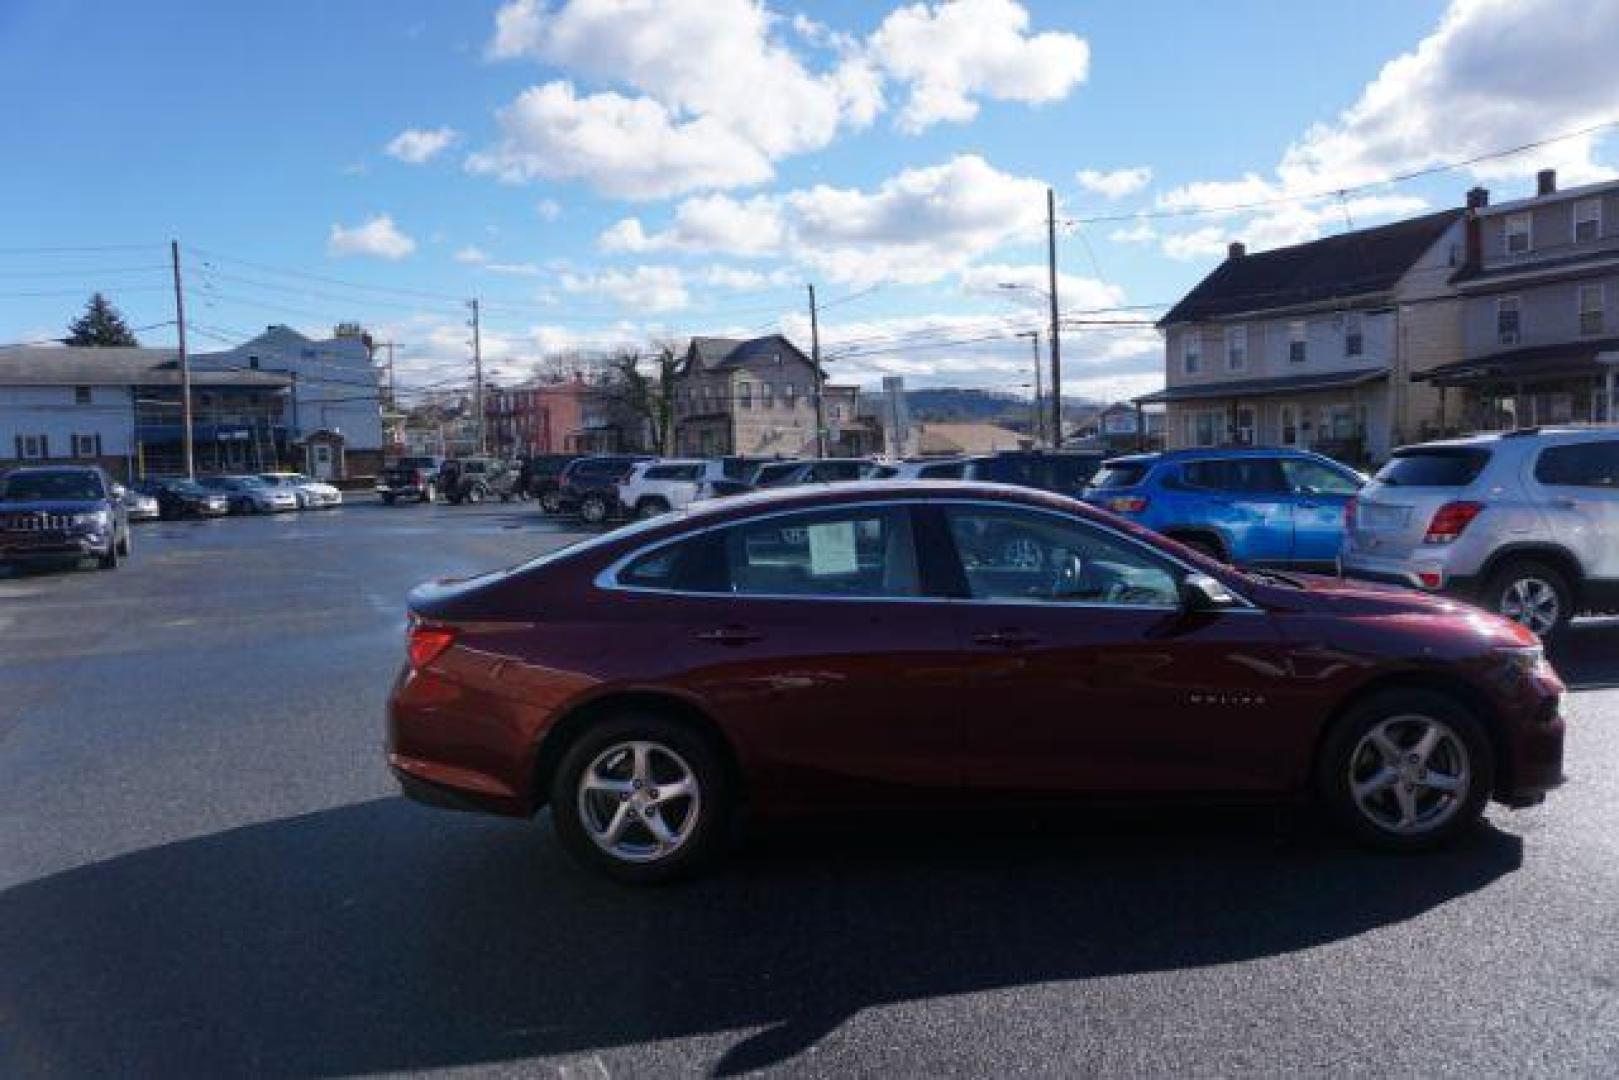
1320,494
1244,499
1577,487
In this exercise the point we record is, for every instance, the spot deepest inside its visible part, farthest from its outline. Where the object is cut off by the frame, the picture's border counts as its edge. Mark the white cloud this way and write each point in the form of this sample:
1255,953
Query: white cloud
548,209
741,280
633,148
646,288
522,269
1141,232
1493,74
717,97
950,53
378,237
1116,184
706,223
1073,292
417,146
472,255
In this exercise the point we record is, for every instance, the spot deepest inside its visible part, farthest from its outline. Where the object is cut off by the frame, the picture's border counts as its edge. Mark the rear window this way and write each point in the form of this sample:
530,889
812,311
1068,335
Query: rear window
1438,466
1121,474
948,471
1592,464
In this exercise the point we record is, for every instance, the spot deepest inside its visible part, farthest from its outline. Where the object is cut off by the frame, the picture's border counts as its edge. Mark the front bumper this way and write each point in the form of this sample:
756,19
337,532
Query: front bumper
43,548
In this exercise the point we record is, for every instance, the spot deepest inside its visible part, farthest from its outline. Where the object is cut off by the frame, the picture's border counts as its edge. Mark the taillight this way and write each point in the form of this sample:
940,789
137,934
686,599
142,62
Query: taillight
1449,521
1350,508
1127,504
427,643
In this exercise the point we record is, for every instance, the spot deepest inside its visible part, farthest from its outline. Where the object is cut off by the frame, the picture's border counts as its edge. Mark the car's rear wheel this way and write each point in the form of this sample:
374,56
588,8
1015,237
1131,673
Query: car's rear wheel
1406,770
651,508
641,798
593,509
1531,594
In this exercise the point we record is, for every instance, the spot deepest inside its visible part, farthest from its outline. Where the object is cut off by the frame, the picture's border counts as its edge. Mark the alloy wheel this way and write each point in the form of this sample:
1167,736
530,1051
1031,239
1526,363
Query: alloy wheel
1409,774
1532,602
639,801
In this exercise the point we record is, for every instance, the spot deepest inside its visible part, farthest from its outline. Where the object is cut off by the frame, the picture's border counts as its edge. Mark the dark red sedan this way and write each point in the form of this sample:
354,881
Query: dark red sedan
868,645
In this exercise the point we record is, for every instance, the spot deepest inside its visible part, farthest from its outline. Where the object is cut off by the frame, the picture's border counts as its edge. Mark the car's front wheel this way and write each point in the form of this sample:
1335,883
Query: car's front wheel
1406,770
1532,594
593,509
641,798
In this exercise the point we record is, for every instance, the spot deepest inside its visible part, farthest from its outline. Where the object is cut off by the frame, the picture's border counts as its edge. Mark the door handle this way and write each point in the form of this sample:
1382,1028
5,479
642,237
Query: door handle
1006,639
730,635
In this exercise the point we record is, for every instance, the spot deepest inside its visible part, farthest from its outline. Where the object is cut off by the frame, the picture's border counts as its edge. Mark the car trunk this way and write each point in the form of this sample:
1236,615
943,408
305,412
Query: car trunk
1393,512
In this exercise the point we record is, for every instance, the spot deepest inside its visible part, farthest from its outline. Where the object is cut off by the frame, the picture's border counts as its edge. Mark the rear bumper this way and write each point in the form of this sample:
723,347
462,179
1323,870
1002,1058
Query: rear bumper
1426,576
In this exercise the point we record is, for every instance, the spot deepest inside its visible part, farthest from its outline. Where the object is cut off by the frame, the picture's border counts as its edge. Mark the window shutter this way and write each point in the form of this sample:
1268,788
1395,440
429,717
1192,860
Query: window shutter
18,438
98,444
45,446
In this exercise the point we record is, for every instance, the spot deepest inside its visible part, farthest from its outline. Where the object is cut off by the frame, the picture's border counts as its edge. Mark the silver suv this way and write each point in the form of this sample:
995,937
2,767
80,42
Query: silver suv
1525,523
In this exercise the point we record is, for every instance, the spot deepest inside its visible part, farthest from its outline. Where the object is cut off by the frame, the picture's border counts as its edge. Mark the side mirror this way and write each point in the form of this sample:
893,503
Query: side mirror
1201,593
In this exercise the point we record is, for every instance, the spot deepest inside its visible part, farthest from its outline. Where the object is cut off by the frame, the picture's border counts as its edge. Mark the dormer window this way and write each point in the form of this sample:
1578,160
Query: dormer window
1587,220
1520,230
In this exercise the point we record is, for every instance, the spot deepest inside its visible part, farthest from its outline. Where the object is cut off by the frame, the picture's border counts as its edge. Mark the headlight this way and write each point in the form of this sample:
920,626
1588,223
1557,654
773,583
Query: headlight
1524,660
96,519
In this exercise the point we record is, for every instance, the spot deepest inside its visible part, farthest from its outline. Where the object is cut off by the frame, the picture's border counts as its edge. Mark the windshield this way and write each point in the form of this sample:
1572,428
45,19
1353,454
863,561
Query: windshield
51,487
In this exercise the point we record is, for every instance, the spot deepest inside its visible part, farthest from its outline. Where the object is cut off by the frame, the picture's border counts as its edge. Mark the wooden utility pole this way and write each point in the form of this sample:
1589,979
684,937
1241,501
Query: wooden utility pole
1056,334
820,380
185,363
477,374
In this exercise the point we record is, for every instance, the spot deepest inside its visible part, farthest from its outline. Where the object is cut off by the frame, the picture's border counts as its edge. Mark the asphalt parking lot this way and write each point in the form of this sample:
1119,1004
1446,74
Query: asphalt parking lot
205,869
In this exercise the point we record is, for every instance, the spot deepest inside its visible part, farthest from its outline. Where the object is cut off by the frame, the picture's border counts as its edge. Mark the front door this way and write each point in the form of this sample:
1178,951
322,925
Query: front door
1246,501
323,461
1321,493
1081,674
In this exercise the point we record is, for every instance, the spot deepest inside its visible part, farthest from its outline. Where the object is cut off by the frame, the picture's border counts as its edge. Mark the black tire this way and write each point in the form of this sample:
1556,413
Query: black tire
651,507
1509,586
593,509
1349,753
550,502
126,544
109,561
476,494
505,496
388,499
1205,546
713,805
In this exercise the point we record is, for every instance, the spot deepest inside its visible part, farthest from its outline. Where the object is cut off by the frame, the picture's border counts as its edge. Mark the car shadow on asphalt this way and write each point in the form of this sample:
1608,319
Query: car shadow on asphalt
1587,655
384,936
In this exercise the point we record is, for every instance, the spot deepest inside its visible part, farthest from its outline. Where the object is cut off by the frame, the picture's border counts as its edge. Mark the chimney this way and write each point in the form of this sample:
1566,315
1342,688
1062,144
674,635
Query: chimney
1473,255
1236,250
1546,182
1478,198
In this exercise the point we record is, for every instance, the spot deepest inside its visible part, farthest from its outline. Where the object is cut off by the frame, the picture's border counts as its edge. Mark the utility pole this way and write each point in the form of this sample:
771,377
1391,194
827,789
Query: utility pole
1036,413
1056,335
477,373
185,363
820,380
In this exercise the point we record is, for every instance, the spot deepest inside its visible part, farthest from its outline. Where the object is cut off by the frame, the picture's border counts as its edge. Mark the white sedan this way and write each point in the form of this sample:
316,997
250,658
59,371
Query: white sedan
312,494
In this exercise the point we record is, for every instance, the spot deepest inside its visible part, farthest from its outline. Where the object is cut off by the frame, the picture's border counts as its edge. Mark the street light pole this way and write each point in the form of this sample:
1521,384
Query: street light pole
1056,337
185,365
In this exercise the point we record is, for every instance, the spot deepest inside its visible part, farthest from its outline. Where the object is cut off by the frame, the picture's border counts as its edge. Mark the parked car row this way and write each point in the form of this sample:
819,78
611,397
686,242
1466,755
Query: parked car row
174,497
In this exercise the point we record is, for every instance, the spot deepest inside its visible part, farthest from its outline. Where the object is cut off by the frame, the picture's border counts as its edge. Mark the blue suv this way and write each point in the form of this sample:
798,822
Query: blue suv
1250,507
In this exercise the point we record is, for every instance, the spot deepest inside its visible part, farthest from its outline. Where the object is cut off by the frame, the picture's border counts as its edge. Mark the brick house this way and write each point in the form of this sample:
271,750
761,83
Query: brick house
1314,345
757,397
575,416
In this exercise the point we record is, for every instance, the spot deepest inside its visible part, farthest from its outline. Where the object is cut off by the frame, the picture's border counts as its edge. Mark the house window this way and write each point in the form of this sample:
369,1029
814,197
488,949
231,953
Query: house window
744,395
32,447
1354,334
1236,348
788,394
1205,427
1587,220
1590,309
81,395
1191,353
86,446
1296,341
1245,426
1508,322
767,395
1519,238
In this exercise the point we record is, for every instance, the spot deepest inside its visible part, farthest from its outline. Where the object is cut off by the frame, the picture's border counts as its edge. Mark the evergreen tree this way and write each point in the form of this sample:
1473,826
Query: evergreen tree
101,324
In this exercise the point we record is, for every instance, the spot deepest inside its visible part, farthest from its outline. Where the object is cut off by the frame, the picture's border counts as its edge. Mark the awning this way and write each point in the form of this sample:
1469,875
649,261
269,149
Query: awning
1285,384
1565,358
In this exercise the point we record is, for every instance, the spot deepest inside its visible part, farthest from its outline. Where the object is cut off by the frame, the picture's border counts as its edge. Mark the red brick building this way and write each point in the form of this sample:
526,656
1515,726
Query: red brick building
573,417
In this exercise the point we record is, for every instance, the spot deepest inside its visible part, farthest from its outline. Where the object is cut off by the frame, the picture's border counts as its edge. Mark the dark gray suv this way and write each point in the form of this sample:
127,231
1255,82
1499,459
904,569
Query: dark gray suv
62,515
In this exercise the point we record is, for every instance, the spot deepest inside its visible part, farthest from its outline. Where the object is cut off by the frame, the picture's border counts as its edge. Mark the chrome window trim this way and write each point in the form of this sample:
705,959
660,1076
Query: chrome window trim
606,579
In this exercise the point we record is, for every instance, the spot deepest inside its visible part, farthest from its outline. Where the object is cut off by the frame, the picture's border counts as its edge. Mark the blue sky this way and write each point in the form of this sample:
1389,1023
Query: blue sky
599,174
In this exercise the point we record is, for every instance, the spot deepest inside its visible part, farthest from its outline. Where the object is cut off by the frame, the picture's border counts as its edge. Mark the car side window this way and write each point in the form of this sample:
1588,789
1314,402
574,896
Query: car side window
1313,477
1011,554
851,552
1590,464
1248,475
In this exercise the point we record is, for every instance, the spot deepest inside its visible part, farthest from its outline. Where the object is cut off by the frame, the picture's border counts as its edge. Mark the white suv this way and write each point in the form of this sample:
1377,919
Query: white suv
657,487
1525,523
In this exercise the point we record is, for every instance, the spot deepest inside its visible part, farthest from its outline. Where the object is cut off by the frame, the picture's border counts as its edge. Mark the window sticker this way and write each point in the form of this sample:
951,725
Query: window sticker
832,549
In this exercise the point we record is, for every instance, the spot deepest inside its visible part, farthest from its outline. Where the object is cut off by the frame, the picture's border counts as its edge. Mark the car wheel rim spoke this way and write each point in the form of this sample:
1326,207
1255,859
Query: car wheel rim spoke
639,801
1409,774
1533,603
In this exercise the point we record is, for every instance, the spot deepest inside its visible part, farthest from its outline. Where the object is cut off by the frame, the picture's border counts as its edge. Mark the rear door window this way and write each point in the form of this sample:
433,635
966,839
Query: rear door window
1591,464
1436,466
1248,476
693,565
1121,474
852,552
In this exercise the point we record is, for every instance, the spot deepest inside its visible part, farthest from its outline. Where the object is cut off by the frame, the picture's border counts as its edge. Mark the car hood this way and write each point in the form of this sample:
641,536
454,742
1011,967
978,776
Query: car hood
50,506
1363,599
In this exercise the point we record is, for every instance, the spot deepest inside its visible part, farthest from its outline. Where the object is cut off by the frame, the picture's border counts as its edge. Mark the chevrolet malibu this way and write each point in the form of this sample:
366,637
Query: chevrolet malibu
868,646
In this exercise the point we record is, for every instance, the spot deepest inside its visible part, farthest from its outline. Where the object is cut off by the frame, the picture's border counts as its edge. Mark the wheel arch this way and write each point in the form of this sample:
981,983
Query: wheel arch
1556,556
568,727
1470,697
